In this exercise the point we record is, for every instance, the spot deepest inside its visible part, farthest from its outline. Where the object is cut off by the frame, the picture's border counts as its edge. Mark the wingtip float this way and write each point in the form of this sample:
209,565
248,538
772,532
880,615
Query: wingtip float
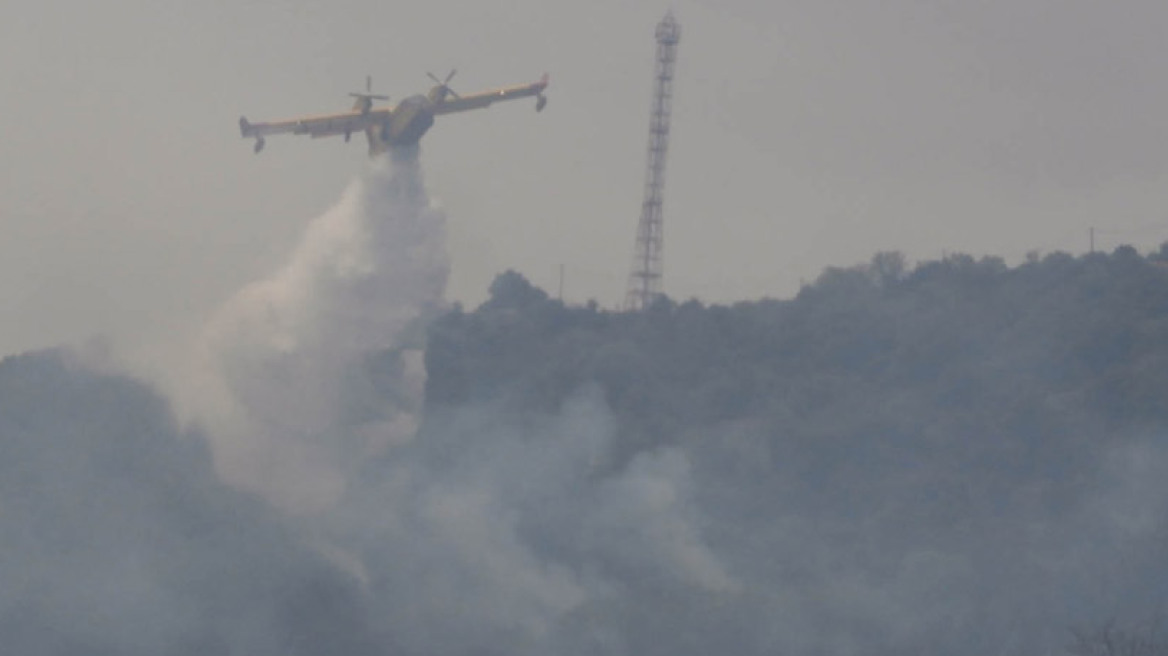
399,125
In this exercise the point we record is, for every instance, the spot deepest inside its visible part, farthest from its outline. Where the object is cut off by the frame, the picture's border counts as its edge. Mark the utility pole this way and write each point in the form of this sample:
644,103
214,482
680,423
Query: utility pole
645,275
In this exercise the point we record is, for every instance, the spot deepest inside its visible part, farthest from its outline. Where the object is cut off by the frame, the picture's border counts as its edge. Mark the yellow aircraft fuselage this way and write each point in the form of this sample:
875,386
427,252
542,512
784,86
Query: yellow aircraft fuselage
411,119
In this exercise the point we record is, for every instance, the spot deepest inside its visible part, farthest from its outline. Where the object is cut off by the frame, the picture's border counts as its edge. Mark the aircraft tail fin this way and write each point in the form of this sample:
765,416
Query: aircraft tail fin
244,126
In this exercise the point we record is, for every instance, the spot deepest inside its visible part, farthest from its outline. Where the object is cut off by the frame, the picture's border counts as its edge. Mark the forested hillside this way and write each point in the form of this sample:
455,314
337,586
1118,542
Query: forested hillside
952,351
963,455
963,458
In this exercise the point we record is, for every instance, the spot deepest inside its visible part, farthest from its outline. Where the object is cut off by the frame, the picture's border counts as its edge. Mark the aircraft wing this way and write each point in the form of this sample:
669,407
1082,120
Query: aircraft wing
479,100
322,125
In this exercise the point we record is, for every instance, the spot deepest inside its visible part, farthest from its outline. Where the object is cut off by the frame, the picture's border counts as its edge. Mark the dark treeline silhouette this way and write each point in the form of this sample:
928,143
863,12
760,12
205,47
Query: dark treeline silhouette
965,355
980,448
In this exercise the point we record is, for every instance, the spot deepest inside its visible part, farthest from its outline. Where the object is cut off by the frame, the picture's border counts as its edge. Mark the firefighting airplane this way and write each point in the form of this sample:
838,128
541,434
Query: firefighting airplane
401,125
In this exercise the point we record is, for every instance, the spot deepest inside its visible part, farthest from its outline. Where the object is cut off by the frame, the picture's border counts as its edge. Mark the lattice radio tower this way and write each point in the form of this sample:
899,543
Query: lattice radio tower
645,274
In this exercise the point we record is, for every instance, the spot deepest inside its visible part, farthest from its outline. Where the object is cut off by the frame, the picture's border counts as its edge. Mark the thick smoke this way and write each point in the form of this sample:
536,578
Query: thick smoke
486,536
829,526
478,533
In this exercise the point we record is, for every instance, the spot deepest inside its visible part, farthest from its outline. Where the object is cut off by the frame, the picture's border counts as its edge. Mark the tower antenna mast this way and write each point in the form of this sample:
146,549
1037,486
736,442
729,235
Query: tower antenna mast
646,271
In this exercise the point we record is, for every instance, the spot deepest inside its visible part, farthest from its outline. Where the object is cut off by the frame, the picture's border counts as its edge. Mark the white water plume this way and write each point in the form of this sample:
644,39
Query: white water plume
285,358
483,531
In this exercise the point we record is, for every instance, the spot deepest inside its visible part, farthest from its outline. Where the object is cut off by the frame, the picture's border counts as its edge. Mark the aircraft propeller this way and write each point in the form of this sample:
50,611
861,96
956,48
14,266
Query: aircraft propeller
368,95
445,84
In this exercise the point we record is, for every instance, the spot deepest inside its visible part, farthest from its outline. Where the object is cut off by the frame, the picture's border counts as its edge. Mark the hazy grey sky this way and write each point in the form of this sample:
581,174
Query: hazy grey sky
805,134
